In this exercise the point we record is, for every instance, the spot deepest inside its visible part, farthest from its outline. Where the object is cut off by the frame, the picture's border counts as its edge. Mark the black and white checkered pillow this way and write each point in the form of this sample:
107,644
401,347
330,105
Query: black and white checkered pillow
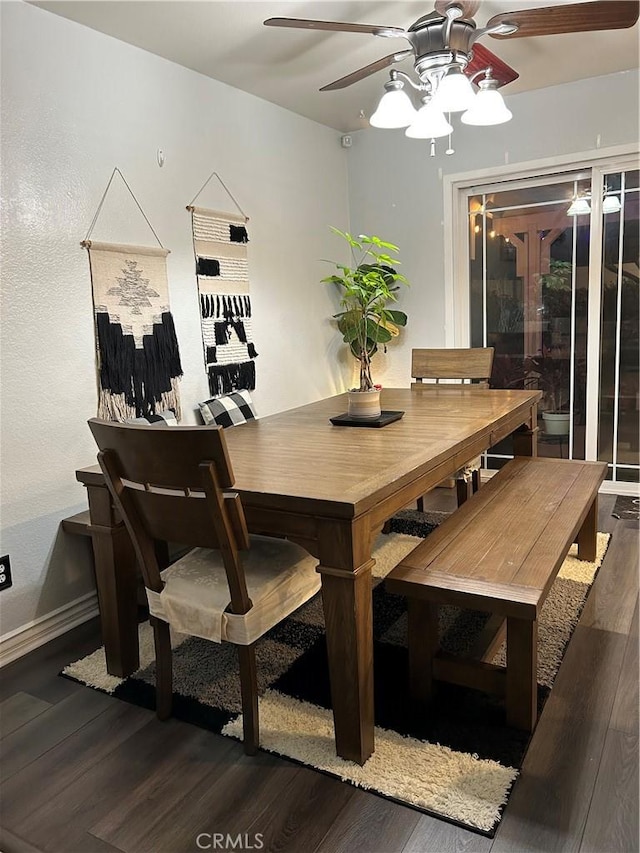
229,409
160,419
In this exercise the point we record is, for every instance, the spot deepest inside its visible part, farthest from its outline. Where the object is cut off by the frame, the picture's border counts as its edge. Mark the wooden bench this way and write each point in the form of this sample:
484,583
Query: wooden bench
80,525
500,552
77,525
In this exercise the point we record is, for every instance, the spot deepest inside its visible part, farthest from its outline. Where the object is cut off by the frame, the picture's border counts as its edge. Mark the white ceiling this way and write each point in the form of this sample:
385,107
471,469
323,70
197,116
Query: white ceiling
227,41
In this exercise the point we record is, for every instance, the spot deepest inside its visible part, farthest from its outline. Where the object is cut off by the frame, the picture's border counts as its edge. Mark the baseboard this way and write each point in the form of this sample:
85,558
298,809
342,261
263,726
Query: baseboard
23,640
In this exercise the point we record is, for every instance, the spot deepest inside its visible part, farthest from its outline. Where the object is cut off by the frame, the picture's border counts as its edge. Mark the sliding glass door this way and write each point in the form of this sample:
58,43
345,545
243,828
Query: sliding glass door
533,295
618,403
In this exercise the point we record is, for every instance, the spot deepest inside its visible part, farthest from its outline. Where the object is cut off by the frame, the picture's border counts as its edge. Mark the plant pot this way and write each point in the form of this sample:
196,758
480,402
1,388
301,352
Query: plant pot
364,404
556,423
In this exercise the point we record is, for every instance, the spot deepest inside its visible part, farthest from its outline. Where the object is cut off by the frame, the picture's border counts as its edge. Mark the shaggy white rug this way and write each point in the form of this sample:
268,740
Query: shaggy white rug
440,773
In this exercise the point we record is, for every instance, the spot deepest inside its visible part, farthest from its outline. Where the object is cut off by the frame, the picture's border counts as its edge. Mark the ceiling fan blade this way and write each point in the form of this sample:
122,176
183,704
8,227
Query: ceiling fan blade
469,7
332,26
576,18
361,73
483,58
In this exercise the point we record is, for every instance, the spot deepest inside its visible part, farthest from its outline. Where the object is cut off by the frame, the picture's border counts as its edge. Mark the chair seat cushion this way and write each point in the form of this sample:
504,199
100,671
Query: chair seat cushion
280,577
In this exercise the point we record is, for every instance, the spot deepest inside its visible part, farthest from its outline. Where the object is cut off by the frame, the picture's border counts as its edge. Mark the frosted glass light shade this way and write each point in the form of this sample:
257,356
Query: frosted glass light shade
454,93
488,108
394,110
611,204
578,207
429,123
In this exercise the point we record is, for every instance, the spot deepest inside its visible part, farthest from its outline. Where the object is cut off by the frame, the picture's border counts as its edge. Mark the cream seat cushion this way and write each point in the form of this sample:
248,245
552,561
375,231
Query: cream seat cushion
280,577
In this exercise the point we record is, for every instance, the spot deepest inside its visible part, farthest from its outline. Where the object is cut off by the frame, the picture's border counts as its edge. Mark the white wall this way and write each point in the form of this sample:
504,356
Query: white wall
396,192
75,103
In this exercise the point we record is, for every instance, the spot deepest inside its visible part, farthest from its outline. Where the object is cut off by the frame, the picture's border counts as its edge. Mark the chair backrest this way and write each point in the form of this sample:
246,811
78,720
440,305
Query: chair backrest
473,365
173,485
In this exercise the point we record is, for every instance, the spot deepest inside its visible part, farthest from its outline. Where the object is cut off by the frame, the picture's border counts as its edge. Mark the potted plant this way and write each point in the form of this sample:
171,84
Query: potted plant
549,371
365,322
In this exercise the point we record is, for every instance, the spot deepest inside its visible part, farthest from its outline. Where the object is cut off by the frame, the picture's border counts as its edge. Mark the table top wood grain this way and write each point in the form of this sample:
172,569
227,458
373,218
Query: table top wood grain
300,454
298,460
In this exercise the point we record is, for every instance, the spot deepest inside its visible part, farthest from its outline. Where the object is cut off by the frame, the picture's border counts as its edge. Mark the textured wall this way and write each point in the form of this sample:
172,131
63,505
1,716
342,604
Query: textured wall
395,187
76,103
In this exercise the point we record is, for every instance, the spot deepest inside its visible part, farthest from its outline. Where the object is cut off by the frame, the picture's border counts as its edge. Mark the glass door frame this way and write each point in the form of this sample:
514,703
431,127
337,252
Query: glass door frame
457,190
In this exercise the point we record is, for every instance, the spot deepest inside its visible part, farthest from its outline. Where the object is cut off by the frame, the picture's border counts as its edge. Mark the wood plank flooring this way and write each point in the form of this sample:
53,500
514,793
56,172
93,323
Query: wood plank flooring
84,773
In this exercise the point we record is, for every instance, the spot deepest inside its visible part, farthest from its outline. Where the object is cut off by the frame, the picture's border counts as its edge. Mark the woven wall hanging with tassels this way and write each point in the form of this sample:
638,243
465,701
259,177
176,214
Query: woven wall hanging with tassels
138,359
220,248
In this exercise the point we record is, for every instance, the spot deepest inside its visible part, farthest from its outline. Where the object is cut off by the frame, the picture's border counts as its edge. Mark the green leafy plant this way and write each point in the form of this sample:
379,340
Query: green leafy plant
367,287
549,371
558,277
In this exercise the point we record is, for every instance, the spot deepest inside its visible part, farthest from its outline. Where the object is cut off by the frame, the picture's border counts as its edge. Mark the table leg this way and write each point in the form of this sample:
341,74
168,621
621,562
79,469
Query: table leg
588,533
345,566
525,439
115,566
464,490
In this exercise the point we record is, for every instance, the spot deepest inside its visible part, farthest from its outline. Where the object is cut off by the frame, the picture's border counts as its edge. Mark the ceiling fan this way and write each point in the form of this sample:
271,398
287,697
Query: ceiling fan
450,32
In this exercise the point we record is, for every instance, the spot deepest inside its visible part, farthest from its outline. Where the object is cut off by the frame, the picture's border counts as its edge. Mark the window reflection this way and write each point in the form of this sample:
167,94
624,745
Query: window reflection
529,287
529,299
619,354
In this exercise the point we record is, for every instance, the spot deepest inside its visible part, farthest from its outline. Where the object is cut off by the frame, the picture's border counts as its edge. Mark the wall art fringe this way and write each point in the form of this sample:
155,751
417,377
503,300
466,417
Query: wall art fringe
138,357
220,247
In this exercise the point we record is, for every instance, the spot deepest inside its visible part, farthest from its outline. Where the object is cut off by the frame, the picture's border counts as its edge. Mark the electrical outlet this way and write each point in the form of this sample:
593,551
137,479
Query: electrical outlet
5,573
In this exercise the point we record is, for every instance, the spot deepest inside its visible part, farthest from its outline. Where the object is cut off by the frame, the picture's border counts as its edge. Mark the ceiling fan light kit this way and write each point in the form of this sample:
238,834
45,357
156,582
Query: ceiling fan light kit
429,123
580,205
446,59
611,204
488,106
453,92
395,108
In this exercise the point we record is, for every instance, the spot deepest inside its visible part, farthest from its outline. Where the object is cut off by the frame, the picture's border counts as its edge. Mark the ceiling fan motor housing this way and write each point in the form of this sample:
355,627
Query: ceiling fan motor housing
434,51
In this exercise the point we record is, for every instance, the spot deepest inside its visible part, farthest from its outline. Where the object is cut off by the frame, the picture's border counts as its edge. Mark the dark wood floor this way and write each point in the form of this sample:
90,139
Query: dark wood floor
84,773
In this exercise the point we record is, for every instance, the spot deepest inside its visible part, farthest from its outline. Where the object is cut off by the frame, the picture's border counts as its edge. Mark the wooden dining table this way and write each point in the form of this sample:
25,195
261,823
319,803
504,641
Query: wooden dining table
331,489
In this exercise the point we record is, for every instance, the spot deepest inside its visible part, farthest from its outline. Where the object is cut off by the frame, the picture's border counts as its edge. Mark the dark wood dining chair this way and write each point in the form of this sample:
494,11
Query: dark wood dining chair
177,485
466,366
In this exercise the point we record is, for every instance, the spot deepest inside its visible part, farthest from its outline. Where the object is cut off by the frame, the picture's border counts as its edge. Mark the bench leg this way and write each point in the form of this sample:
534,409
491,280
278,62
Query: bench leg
423,645
522,685
587,535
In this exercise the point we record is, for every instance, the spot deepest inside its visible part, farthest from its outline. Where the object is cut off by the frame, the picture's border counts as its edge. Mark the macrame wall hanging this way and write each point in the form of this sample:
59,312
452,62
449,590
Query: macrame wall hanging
138,359
220,248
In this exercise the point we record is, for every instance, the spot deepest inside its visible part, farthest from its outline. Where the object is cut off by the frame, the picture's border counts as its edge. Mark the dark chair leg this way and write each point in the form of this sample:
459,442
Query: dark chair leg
475,480
249,690
420,504
164,667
